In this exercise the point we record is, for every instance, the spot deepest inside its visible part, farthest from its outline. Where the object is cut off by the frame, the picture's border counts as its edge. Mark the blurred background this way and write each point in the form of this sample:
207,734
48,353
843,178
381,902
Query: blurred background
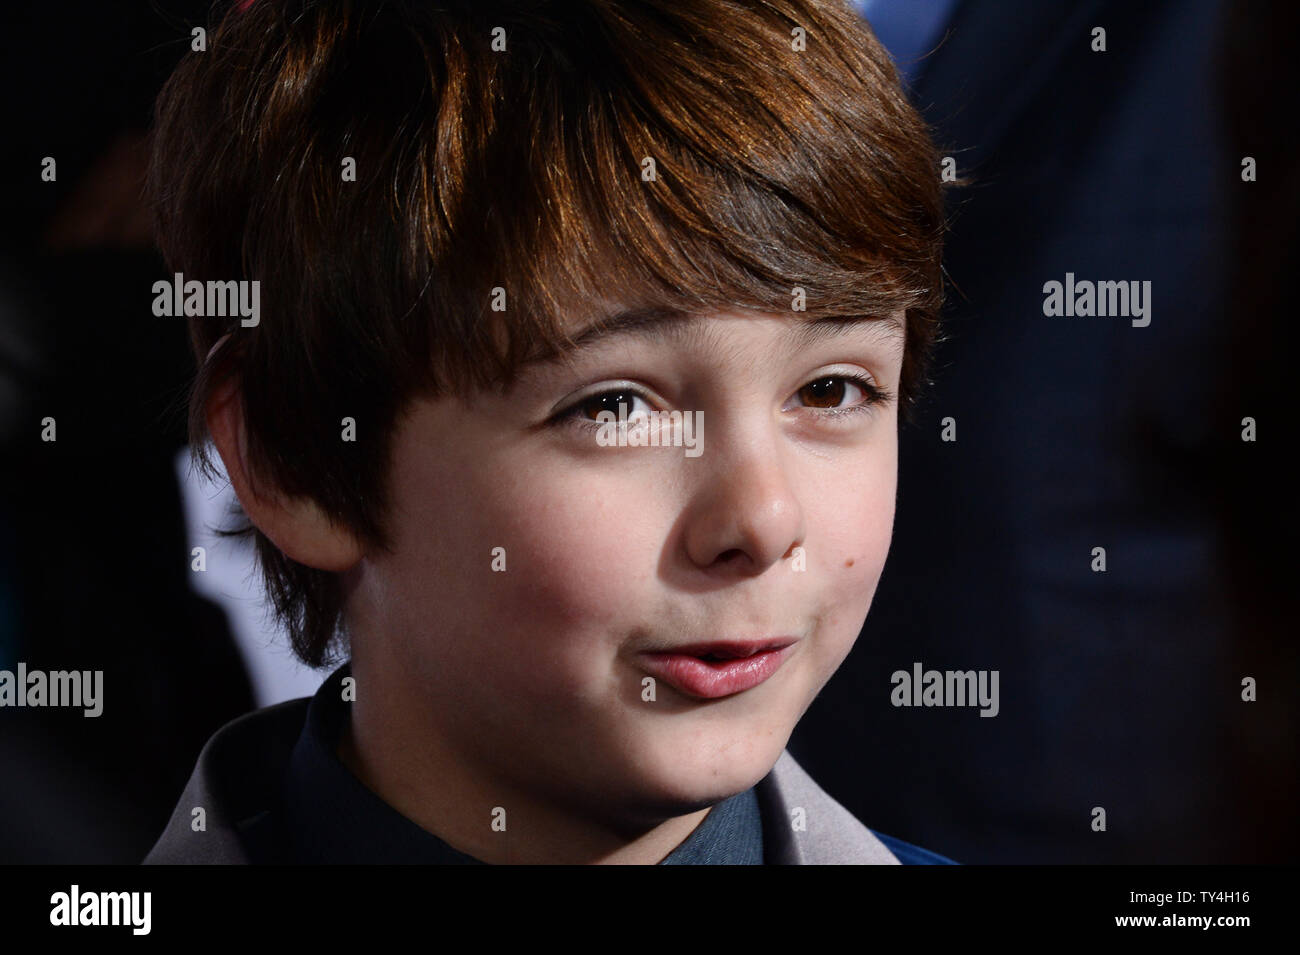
97,527
1119,690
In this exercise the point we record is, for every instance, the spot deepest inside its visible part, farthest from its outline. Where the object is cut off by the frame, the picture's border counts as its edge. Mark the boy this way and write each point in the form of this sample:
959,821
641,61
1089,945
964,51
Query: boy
569,415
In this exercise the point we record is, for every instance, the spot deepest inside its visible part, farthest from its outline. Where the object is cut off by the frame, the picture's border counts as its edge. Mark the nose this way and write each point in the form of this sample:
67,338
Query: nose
747,515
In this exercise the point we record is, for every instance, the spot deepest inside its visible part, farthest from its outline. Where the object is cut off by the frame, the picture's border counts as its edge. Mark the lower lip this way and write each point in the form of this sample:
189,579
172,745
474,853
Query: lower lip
712,679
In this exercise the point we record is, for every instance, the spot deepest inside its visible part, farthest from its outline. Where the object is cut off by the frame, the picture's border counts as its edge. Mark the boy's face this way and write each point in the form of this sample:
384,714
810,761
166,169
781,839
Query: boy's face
535,675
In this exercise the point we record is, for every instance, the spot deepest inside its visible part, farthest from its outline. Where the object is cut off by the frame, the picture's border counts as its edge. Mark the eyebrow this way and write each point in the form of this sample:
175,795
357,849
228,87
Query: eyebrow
660,324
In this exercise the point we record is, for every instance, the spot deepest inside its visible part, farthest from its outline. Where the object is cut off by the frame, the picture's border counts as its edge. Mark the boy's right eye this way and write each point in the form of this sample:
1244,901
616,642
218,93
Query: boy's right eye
582,413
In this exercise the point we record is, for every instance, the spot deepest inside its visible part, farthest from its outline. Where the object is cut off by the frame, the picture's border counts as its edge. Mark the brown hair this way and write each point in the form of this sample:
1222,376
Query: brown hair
477,168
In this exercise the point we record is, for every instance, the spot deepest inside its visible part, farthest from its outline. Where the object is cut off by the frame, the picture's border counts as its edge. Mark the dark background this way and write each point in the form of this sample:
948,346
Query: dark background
95,566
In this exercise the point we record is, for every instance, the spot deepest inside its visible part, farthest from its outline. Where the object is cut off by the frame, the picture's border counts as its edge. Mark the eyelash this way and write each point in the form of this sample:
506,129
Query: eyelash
874,395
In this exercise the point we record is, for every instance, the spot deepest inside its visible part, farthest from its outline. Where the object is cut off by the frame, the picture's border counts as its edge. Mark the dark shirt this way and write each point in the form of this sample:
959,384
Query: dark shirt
327,815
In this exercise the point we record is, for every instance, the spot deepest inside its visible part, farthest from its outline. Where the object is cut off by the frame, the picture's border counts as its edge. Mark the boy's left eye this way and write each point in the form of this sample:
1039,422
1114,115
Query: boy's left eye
825,394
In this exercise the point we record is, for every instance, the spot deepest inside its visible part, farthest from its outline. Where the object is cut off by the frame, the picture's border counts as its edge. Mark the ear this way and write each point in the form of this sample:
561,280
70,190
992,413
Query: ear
296,525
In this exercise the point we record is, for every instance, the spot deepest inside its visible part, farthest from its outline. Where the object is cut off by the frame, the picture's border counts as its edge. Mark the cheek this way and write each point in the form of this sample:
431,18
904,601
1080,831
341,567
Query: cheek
575,560
862,536
574,557
856,521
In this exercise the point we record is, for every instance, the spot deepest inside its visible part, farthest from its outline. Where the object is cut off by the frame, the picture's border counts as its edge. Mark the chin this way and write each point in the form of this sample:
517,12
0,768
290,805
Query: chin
684,777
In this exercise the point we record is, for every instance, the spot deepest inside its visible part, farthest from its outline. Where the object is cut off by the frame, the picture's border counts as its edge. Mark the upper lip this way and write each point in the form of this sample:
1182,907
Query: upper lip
730,649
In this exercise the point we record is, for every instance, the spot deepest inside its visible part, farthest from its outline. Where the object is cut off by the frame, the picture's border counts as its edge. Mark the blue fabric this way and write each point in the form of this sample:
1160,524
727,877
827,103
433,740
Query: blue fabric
909,29
909,854
731,834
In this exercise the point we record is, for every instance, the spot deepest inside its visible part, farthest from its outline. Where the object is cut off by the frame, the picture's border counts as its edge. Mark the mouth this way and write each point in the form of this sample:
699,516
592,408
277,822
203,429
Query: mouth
710,671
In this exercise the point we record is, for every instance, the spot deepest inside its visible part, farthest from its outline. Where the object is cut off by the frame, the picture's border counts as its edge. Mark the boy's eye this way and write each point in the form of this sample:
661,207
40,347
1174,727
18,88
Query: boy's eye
588,408
833,396
827,393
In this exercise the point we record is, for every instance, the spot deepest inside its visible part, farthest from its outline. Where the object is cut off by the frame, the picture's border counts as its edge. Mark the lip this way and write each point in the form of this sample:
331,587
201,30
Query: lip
743,665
